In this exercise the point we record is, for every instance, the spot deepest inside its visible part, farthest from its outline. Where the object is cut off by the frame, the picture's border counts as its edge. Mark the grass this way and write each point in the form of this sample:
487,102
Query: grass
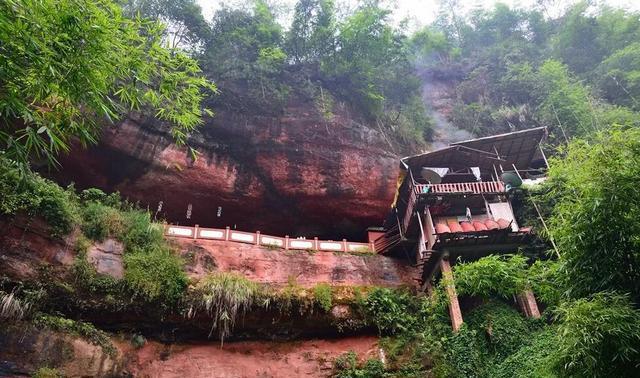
224,297
12,307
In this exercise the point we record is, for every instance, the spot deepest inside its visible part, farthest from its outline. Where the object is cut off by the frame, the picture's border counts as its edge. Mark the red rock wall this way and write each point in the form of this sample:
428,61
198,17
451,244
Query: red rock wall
278,267
309,358
295,174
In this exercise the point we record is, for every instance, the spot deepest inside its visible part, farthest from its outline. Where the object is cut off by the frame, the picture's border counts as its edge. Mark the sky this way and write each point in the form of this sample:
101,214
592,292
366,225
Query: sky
423,12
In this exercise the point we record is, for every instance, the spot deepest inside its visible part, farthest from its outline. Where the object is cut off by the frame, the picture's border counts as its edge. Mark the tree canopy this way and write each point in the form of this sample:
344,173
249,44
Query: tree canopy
69,66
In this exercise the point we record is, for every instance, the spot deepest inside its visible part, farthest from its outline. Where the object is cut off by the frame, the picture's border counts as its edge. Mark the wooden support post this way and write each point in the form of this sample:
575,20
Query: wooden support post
286,242
195,232
454,306
226,233
544,156
315,243
257,237
372,246
528,304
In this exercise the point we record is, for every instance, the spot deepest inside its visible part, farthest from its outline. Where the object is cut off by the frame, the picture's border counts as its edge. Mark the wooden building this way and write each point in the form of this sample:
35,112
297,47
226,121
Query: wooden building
456,203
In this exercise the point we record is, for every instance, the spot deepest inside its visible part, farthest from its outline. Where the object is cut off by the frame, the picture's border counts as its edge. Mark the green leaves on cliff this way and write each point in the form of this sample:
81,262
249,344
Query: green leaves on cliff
29,194
67,66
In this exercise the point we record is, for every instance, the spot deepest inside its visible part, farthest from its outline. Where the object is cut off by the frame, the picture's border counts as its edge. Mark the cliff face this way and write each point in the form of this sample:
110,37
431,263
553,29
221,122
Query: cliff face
295,174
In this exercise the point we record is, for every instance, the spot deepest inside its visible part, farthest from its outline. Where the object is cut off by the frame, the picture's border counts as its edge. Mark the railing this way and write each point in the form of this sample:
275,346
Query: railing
461,187
257,238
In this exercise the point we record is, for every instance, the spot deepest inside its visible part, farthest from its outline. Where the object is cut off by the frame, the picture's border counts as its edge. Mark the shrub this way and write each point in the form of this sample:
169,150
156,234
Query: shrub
492,275
155,274
347,366
599,336
536,359
100,221
24,191
504,329
323,296
392,311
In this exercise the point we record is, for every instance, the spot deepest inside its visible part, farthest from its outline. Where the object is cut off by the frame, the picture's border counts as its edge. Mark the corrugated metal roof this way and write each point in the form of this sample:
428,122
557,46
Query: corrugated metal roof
518,147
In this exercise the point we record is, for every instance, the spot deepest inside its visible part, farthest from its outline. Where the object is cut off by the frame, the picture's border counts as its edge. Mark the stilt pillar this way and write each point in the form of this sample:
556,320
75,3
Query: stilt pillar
454,306
528,304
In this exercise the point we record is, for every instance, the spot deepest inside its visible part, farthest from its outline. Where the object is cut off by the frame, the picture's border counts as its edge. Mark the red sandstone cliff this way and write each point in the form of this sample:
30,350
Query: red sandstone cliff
293,174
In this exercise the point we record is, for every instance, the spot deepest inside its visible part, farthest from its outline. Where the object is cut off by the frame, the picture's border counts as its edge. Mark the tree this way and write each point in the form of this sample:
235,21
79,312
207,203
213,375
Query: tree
565,105
312,32
619,77
67,66
244,56
186,26
595,220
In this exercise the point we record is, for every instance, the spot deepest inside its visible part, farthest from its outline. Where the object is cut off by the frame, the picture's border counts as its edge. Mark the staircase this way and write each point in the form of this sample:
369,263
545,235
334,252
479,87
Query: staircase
390,239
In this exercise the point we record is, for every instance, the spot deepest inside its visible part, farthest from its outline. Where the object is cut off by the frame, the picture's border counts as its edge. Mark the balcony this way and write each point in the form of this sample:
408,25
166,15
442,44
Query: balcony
482,187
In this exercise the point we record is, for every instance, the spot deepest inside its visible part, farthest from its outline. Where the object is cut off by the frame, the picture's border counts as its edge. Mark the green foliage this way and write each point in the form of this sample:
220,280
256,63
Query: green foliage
599,336
392,311
536,359
567,104
594,221
244,56
224,297
155,274
347,366
138,341
312,31
86,330
26,192
619,77
45,372
101,222
491,275
70,64
466,353
546,282
323,296
504,329
186,25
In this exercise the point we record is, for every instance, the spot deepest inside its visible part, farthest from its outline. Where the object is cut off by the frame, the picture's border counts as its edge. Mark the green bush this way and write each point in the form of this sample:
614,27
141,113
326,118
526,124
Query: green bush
466,352
323,296
504,329
536,359
155,274
347,366
396,311
599,336
100,221
22,191
491,275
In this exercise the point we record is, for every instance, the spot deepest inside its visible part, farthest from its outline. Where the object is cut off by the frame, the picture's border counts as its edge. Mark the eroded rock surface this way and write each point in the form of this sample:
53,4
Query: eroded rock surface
295,174
106,257
306,268
251,359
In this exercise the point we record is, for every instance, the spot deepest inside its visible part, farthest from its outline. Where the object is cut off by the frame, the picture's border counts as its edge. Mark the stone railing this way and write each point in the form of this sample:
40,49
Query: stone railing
257,238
